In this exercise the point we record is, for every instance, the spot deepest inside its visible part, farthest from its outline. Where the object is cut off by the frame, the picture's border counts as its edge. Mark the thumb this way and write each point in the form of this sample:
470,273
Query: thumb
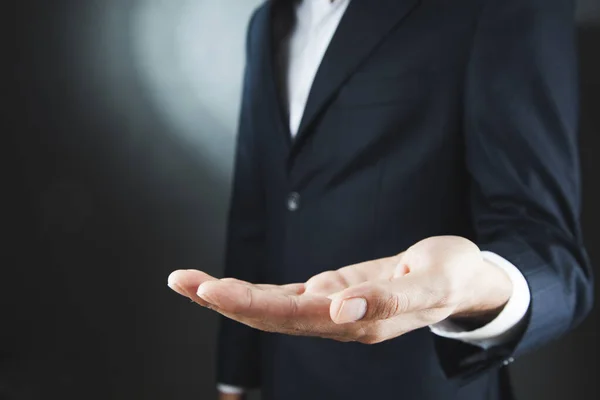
381,300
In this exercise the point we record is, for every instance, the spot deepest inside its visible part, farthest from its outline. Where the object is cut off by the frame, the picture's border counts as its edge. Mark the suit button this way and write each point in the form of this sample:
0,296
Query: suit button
293,201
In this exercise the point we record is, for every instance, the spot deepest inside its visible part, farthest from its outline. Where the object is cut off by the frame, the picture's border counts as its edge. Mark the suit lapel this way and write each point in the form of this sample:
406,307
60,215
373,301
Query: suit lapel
363,26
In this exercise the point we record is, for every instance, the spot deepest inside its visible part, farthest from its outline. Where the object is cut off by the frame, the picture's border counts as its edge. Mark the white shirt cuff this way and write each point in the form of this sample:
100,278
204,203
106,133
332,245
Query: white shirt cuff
229,389
507,324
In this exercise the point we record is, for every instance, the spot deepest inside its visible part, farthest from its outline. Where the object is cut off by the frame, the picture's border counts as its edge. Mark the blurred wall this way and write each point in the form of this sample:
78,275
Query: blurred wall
119,145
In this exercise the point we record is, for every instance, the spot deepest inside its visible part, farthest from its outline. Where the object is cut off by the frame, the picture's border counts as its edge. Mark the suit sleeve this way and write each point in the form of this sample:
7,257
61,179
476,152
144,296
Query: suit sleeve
521,117
238,353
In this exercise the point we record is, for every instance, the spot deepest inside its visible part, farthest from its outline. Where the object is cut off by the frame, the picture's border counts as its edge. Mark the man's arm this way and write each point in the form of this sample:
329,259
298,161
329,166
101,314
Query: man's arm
521,103
239,348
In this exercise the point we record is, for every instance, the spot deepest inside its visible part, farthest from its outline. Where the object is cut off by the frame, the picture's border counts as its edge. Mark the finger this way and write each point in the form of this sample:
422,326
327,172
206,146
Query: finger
249,301
329,282
187,282
381,300
290,289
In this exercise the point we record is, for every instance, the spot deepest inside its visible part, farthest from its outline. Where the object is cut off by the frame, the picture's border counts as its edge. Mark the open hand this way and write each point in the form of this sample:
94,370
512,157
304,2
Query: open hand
368,302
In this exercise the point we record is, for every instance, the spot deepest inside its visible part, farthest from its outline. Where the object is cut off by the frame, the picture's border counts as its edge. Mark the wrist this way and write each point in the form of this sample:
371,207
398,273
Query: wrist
488,293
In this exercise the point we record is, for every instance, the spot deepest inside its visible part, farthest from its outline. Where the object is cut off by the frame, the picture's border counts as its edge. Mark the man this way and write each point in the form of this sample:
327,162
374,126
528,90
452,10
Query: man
407,184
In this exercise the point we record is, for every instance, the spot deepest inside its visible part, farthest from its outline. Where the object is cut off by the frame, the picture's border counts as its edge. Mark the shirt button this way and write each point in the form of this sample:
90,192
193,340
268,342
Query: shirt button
293,201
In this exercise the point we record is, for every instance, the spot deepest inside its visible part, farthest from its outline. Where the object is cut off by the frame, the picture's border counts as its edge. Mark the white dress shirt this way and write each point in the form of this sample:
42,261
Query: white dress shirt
316,23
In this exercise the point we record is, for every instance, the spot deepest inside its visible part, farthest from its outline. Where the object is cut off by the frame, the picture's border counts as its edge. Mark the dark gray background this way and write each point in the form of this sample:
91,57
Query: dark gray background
120,117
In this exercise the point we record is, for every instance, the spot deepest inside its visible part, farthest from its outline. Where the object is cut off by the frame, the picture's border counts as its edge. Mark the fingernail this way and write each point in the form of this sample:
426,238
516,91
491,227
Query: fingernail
203,295
352,310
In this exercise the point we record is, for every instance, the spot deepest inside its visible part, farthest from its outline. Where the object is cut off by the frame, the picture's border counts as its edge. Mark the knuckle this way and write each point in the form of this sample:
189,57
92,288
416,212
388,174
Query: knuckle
401,303
390,307
293,306
291,320
247,299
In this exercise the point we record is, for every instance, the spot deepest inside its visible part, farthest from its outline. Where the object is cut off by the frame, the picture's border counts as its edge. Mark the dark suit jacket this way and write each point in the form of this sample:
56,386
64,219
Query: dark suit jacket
426,117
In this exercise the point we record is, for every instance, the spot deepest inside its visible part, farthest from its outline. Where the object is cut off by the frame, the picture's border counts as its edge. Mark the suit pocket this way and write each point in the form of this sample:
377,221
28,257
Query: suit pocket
375,89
